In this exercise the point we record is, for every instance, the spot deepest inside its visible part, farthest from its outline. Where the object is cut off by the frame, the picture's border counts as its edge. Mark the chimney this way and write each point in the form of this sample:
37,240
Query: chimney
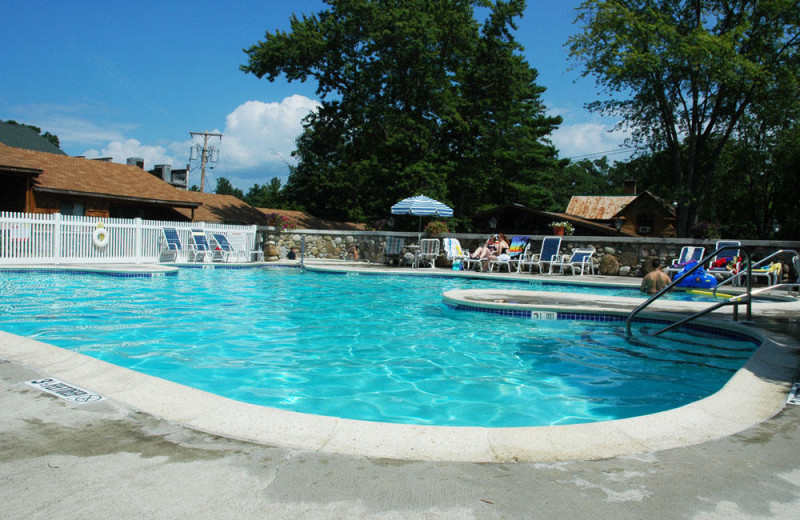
630,187
136,161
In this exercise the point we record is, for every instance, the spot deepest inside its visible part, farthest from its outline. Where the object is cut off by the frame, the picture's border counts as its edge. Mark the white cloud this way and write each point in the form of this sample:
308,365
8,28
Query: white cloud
120,151
259,134
257,142
590,139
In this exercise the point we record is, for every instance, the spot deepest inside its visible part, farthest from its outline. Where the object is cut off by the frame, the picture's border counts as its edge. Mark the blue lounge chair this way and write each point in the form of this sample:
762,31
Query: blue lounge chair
170,245
223,248
199,248
723,264
689,254
393,249
580,258
546,256
516,251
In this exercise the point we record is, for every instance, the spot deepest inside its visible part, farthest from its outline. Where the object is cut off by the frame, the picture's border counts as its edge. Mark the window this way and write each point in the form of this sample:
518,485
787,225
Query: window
72,207
644,224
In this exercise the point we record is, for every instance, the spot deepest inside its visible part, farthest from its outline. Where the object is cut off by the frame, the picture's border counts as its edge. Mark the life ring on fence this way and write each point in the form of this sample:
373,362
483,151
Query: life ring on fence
100,236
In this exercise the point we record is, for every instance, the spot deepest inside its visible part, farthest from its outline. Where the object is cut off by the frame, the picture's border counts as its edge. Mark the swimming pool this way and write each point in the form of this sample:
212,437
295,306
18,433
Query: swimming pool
365,347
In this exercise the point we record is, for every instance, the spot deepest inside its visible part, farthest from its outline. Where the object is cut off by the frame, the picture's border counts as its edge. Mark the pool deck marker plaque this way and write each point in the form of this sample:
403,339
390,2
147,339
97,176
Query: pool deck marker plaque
794,395
65,391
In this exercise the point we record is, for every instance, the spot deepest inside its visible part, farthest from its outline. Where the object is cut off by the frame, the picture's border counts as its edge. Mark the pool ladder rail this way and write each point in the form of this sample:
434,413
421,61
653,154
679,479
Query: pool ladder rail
735,301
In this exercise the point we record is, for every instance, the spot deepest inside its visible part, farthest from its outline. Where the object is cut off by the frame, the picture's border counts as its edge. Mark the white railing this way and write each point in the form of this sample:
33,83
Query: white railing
33,238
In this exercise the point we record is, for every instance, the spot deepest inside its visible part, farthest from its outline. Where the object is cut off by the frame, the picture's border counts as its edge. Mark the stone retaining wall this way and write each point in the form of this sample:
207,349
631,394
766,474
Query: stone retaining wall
622,256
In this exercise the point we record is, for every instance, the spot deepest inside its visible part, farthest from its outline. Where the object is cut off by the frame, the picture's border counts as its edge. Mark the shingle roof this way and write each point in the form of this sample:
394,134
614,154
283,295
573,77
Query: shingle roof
61,173
598,207
26,138
222,208
306,221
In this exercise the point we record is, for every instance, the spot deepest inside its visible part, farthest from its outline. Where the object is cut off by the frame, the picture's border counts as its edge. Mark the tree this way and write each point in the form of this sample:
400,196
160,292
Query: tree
416,98
224,187
683,73
47,135
265,196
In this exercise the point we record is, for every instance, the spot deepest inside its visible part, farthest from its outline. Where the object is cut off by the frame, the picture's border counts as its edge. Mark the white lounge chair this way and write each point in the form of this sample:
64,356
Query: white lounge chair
723,264
199,248
546,256
579,258
428,251
170,245
516,251
688,254
454,252
222,248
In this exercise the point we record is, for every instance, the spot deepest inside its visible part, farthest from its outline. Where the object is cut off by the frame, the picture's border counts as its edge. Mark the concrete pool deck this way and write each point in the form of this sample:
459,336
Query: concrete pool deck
720,474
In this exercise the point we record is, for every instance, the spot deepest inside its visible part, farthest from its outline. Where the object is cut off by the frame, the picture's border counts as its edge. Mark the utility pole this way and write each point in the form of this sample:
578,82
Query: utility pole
207,154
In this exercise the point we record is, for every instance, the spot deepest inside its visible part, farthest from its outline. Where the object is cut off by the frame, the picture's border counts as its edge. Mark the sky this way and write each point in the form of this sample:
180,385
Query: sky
133,79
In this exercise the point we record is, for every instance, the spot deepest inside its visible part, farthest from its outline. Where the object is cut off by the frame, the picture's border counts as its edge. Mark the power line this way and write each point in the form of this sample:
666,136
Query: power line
616,151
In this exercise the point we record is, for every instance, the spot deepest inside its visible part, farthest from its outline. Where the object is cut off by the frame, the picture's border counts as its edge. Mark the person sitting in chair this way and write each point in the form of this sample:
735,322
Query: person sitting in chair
487,249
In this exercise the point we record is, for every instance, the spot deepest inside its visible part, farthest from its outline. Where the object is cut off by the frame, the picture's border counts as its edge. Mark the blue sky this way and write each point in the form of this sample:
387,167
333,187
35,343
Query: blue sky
132,79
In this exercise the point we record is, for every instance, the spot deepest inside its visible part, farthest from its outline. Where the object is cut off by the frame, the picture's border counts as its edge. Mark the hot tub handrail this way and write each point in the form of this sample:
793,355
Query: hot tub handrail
688,273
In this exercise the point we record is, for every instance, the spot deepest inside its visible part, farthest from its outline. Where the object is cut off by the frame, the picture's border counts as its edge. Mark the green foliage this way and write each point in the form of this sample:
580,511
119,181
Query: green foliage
224,187
47,135
436,228
281,222
266,195
417,97
683,74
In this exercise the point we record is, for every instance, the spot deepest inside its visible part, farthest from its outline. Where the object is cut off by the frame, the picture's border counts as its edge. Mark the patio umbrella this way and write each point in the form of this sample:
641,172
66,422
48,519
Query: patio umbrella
422,206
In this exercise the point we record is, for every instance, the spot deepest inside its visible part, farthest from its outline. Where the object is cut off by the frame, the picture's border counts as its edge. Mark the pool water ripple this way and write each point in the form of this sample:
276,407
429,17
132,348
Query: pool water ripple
371,348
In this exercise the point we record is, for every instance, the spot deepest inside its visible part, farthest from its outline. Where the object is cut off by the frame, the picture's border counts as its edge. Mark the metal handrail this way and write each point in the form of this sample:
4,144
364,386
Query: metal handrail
760,262
742,299
688,273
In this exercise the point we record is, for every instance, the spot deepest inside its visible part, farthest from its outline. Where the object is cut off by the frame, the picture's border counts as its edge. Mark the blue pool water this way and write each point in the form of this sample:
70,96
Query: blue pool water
365,347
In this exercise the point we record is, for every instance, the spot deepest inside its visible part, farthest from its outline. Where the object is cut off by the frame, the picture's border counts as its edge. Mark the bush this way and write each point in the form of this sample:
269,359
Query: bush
436,227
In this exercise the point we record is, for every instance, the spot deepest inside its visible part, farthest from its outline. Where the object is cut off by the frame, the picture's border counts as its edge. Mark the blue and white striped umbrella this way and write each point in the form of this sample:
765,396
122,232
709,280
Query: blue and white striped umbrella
422,206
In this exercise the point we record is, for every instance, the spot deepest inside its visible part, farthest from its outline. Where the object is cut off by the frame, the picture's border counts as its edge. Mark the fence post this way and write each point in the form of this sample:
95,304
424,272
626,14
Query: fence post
137,247
57,238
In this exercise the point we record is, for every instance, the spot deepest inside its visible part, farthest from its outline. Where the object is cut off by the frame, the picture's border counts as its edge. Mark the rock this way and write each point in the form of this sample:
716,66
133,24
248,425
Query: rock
609,265
629,258
624,270
609,250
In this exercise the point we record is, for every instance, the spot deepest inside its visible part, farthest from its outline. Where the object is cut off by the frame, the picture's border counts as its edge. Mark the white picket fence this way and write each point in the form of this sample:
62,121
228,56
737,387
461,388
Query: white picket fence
33,238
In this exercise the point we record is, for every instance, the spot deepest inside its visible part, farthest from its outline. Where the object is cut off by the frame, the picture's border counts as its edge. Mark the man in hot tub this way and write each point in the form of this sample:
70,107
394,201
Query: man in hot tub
655,280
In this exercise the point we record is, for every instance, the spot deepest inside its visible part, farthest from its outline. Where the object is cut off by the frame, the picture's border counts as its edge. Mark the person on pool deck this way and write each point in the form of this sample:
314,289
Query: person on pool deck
501,247
655,280
488,249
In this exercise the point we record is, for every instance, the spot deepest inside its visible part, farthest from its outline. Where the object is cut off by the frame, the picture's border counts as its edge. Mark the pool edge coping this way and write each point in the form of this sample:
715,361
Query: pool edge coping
756,392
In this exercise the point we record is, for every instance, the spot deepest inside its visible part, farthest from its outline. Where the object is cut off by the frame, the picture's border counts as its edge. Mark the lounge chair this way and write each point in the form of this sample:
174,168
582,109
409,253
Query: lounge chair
199,248
454,253
689,254
723,265
222,248
238,240
428,251
580,258
516,251
546,256
393,249
170,245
